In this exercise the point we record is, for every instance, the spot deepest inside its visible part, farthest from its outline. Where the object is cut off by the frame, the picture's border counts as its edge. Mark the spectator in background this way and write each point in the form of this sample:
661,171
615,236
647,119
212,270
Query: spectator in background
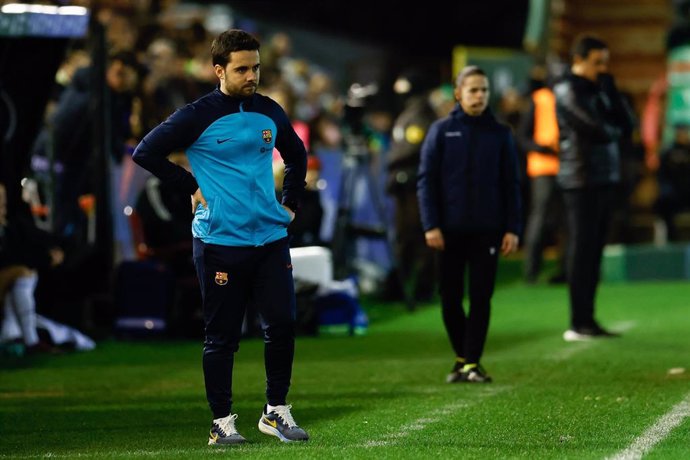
415,263
198,66
591,120
275,57
75,59
442,100
538,136
304,230
24,249
240,241
674,179
511,108
327,135
121,28
283,94
632,167
469,196
165,86
65,141
319,96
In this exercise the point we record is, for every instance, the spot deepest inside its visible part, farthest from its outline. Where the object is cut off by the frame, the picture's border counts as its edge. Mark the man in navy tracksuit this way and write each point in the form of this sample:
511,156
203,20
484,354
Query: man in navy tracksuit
241,248
469,195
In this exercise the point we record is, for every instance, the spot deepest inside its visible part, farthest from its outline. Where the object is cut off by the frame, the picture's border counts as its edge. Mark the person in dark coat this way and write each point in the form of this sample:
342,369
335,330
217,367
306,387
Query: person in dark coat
469,197
591,120
538,136
65,143
414,259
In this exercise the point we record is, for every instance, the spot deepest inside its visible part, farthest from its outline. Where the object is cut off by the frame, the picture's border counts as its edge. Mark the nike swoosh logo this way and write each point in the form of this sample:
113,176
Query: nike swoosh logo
273,423
220,141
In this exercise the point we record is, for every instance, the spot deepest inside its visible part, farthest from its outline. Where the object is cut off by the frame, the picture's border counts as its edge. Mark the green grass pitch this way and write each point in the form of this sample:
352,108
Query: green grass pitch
383,395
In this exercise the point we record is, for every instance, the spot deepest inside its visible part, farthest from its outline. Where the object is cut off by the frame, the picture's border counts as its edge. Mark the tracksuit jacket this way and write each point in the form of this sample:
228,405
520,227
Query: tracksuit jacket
229,142
468,179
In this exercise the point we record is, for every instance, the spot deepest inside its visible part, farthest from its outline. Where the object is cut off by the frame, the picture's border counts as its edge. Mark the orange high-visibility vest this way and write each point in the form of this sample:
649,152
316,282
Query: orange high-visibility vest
545,133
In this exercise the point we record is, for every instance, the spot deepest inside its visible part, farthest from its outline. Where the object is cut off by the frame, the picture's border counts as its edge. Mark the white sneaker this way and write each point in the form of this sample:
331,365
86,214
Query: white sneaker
587,333
279,423
573,336
223,432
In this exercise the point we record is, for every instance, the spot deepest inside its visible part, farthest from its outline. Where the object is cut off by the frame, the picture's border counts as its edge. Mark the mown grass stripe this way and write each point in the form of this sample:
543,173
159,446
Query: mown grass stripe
382,395
163,453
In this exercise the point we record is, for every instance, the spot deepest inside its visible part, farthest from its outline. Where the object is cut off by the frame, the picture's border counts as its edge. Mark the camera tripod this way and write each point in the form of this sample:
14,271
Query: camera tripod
356,172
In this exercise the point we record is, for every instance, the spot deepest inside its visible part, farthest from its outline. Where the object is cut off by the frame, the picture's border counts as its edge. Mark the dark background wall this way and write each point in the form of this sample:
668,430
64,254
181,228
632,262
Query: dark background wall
27,70
429,28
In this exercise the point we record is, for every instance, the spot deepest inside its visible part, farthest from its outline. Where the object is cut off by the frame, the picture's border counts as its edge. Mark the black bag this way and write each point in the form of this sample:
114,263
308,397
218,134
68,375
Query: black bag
143,298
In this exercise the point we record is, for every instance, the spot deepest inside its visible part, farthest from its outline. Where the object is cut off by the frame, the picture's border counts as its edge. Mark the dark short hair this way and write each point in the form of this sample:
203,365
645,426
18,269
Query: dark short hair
584,44
230,41
468,71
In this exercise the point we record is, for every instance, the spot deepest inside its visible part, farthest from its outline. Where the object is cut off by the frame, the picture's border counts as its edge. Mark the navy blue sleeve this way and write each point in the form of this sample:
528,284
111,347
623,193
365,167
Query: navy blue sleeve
429,178
511,185
294,156
173,135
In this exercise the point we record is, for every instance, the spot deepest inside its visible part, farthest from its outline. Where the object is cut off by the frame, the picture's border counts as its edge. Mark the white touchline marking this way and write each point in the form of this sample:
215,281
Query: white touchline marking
416,425
623,326
657,432
375,443
435,416
564,354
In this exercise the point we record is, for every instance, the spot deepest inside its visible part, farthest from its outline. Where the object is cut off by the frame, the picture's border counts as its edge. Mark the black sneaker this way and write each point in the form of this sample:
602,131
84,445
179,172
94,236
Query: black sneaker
454,375
279,423
474,373
223,432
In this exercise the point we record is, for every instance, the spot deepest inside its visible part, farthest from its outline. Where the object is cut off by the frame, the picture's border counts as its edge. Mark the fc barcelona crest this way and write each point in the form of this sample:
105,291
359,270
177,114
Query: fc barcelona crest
267,135
221,278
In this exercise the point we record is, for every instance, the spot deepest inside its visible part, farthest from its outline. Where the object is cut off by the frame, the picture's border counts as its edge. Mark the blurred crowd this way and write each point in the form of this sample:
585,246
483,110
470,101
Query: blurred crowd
363,153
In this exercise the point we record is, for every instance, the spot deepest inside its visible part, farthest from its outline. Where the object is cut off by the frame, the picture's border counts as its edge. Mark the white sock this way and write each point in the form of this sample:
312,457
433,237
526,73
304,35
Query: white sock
25,307
269,408
10,326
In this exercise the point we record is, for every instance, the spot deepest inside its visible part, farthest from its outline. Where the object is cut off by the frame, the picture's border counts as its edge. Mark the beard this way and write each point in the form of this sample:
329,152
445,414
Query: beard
246,90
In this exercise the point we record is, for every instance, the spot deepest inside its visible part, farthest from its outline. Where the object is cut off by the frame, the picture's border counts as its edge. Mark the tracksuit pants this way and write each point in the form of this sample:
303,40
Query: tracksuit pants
229,278
588,211
547,202
479,252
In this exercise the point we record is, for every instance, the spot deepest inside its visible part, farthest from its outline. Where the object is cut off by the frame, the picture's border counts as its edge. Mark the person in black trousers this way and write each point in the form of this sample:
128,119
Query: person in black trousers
591,120
240,247
538,136
469,197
